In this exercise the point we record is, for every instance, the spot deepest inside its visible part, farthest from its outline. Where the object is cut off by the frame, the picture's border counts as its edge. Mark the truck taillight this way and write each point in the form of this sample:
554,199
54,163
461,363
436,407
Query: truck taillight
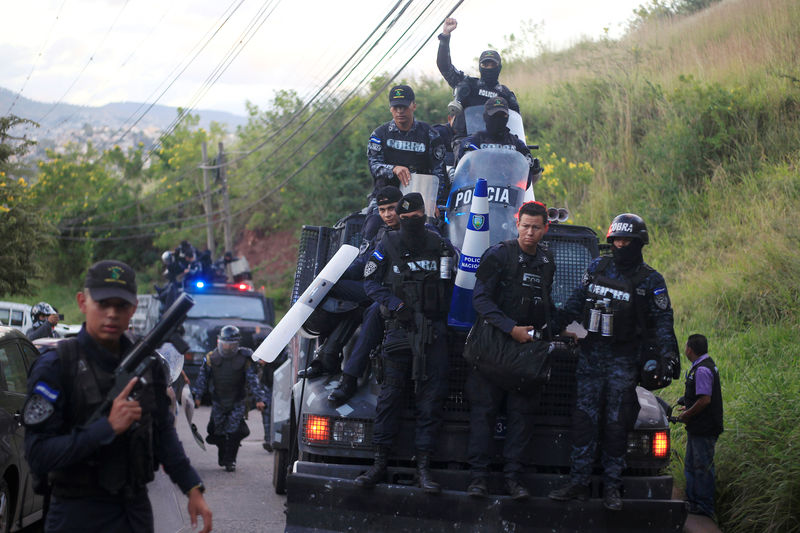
660,444
317,429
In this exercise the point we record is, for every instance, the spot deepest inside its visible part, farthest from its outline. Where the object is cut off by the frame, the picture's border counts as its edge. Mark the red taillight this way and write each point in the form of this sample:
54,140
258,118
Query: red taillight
660,444
242,287
318,429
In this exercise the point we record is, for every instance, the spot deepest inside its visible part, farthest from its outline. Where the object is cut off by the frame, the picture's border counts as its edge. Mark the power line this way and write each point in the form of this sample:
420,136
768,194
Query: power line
36,59
277,188
91,58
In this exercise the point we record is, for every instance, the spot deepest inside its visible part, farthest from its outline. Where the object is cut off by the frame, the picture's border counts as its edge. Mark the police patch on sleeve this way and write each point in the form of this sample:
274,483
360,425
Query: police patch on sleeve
39,405
438,152
364,247
370,268
585,279
661,298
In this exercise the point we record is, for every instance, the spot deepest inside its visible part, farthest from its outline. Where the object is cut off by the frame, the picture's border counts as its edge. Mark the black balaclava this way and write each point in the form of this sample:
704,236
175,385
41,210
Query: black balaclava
495,124
412,229
489,76
628,257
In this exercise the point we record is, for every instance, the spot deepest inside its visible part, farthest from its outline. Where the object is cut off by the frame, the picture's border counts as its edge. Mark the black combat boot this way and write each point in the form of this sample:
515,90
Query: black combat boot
377,472
344,391
478,488
426,481
221,451
612,499
571,491
516,490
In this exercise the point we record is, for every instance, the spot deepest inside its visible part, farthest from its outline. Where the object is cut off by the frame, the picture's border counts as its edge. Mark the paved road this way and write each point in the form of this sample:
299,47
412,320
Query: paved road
242,501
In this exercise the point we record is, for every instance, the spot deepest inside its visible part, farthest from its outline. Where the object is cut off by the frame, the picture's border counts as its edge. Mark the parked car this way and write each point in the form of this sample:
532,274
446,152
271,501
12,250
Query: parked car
19,505
16,315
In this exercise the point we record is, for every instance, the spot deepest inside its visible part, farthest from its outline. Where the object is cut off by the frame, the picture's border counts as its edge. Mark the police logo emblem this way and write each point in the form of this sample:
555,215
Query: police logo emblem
477,221
585,279
438,152
661,299
370,268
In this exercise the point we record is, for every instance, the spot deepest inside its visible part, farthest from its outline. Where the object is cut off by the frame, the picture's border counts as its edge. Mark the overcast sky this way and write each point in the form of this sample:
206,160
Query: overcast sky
92,52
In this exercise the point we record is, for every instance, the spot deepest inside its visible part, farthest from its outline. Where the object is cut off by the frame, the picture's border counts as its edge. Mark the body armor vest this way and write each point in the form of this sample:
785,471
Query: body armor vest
414,275
709,422
524,290
125,465
228,375
408,148
627,305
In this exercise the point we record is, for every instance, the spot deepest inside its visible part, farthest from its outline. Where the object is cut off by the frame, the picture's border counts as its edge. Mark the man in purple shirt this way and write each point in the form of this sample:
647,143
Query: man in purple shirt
702,414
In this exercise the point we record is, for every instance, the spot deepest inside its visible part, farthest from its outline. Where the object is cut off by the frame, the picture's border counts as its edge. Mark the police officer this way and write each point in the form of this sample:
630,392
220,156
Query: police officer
45,319
404,277
630,300
351,287
512,293
446,132
228,375
98,472
497,135
470,91
405,145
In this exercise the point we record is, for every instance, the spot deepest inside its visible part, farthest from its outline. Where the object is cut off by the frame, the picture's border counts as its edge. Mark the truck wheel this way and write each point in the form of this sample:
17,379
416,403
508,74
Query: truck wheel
280,470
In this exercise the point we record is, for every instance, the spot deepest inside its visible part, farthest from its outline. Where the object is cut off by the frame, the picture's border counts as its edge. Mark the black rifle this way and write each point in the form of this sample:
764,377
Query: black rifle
421,335
142,356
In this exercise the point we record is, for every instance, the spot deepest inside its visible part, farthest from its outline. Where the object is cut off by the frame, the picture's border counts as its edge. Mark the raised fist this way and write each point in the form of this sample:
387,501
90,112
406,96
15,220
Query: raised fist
449,25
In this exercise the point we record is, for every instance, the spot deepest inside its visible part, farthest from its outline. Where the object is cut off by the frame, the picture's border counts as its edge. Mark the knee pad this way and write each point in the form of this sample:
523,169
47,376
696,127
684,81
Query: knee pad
582,428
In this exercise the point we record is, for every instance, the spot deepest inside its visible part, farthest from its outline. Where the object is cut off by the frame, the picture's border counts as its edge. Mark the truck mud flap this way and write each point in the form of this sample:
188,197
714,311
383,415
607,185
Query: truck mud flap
322,504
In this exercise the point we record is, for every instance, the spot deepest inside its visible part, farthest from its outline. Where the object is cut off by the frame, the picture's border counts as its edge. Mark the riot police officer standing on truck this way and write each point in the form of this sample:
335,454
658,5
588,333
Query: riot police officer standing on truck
624,304
512,293
404,146
227,373
409,275
470,91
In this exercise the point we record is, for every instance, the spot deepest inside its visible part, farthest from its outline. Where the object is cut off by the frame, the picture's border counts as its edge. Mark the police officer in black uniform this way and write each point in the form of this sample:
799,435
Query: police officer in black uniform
228,375
447,133
98,472
470,91
497,135
45,319
406,277
403,146
624,305
350,287
512,293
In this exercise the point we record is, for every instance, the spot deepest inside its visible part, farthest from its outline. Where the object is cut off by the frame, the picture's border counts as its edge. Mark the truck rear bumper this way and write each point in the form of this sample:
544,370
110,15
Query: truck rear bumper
323,497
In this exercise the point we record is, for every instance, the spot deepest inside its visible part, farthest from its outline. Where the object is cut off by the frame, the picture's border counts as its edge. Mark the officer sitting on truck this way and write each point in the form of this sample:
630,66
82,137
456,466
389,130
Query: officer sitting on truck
408,278
351,287
512,293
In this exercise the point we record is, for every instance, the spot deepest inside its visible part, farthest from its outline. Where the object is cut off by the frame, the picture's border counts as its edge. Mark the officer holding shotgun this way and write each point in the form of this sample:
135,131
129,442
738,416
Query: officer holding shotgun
97,467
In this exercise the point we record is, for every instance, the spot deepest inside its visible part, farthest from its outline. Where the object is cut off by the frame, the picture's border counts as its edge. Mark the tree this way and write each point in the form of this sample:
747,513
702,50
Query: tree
23,230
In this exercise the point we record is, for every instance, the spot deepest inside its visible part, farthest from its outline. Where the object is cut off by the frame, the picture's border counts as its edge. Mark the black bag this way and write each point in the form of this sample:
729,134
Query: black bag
509,364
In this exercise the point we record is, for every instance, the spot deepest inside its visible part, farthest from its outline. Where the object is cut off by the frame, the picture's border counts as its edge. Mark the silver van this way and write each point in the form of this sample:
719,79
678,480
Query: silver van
16,315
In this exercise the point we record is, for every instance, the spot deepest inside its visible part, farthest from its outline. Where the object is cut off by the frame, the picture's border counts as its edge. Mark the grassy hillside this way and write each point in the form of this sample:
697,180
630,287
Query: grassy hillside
694,123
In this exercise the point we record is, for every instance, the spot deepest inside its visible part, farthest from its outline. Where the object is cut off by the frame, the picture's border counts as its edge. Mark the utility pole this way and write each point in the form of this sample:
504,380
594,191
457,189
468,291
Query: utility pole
207,204
226,204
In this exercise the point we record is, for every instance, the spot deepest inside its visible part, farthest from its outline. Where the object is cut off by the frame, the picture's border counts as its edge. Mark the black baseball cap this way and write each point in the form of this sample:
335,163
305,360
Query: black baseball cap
401,95
111,279
490,55
495,104
388,195
411,202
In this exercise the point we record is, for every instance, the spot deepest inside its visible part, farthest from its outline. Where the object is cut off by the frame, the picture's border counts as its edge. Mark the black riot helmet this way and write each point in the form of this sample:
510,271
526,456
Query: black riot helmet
628,225
42,308
228,340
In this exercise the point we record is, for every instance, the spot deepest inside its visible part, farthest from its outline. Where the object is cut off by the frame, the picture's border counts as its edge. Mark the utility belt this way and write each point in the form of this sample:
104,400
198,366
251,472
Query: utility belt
608,323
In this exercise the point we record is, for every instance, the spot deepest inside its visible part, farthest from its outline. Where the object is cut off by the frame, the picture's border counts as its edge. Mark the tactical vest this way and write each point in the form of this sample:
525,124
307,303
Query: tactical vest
408,148
709,422
628,305
414,276
126,465
524,290
471,92
228,375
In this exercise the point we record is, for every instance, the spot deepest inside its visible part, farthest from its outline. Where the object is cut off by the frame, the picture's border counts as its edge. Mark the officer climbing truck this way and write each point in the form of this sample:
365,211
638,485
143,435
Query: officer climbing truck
320,448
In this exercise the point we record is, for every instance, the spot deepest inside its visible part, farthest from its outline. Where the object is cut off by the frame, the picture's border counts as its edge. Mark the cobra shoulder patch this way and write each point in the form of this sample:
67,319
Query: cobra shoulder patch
661,298
370,268
39,405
